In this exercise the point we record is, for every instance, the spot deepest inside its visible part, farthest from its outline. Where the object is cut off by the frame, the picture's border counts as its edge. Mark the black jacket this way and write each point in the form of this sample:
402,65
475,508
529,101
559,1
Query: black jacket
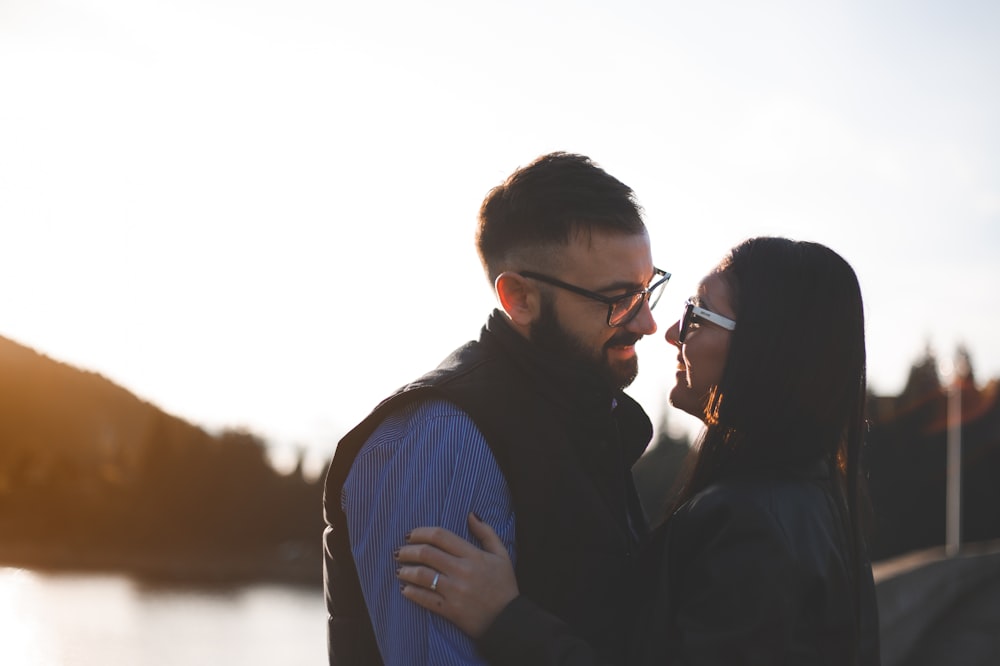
565,445
753,570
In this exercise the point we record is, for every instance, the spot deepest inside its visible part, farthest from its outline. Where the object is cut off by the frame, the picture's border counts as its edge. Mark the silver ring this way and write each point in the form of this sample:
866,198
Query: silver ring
434,583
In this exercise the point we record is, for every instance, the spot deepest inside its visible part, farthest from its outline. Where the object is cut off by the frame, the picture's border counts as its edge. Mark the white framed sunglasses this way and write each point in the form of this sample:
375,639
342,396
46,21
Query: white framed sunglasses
692,315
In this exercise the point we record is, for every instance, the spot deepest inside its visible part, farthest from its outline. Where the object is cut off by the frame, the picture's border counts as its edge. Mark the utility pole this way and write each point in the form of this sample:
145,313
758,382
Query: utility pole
953,488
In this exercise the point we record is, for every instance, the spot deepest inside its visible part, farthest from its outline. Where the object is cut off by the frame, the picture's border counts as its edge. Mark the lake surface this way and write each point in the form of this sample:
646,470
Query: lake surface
49,619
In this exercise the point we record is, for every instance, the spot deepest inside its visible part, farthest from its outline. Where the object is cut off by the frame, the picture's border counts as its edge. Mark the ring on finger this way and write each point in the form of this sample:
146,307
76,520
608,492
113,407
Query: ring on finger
434,583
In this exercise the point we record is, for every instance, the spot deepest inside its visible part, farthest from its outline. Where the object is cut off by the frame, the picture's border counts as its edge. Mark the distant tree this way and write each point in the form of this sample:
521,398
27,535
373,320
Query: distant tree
906,453
657,471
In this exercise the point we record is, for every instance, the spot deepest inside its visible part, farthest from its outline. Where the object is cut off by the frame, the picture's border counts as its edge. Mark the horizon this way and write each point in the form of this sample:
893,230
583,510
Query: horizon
262,215
286,455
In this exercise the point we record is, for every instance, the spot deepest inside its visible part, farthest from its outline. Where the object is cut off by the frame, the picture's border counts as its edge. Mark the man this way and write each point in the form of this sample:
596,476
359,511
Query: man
527,427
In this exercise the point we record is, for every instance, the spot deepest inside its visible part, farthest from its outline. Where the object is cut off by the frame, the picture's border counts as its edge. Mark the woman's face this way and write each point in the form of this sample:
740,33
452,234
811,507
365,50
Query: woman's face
702,357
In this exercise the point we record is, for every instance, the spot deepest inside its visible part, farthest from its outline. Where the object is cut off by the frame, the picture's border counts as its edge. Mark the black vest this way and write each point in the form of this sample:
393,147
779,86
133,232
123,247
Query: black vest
565,447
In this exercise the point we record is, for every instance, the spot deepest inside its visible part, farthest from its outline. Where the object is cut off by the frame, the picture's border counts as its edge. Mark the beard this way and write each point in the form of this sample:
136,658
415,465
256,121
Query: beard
550,336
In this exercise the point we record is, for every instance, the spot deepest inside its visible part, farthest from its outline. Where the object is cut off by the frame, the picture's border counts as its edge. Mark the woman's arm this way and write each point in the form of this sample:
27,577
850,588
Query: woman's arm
449,576
477,591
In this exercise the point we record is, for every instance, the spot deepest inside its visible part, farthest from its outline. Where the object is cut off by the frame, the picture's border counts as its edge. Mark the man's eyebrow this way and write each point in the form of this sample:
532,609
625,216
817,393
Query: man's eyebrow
621,286
627,286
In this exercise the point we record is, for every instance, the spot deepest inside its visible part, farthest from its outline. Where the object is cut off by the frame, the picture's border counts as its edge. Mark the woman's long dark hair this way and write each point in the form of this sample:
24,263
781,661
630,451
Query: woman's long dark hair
794,385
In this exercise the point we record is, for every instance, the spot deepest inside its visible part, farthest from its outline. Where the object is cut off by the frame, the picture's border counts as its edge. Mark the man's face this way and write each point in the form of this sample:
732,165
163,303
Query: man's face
575,328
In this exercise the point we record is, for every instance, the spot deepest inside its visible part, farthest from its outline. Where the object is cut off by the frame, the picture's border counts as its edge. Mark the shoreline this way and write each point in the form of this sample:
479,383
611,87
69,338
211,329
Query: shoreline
288,564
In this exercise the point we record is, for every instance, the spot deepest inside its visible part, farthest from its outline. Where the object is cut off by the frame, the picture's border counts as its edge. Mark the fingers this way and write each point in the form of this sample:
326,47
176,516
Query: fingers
423,597
472,585
416,587
442,540
429,556
487,536
420,577
469,604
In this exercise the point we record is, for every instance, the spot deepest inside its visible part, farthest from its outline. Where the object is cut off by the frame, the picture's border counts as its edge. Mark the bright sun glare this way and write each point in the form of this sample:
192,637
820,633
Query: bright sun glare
261,214
22,635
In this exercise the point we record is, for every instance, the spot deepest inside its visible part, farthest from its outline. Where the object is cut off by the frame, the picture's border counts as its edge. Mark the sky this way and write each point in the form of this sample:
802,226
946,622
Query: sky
260,214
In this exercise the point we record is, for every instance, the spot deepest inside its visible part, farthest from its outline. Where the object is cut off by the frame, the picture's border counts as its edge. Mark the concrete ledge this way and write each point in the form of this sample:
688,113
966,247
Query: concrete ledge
916,589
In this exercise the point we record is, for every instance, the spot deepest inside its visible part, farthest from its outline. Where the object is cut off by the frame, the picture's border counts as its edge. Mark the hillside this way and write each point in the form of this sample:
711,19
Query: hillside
91,476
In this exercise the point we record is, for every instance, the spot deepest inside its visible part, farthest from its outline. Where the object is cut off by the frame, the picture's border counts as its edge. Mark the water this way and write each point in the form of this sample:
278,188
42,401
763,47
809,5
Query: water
112,620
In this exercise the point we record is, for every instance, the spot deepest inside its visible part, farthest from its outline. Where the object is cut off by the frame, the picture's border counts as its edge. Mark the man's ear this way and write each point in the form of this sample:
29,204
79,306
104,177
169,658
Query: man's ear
518,297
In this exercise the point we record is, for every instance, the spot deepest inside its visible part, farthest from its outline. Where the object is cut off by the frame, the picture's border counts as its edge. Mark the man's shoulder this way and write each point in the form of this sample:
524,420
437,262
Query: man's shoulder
421,420
418,413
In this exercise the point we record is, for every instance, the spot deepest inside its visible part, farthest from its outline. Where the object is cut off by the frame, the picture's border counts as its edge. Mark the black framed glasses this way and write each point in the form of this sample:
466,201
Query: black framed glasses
695,315
621,309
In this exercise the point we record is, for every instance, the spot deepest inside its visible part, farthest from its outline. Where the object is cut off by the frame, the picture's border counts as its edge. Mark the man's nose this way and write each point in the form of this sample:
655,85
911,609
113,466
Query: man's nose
643,323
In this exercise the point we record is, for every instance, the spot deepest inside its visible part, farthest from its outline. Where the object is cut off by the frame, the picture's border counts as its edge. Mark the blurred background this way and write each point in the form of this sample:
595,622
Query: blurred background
228,229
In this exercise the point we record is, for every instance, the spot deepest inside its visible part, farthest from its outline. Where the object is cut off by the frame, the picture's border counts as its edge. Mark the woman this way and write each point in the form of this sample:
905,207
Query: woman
761,560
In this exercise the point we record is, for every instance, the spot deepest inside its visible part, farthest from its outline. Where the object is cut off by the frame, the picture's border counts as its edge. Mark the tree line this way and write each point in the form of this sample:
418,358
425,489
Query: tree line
904,460
93,477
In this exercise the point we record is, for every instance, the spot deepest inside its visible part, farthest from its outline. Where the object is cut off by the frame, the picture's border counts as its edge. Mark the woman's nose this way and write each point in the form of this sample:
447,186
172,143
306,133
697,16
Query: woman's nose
673,333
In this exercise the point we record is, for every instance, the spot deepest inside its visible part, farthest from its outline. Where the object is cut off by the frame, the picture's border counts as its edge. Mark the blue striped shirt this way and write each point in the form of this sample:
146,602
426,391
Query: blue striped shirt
426,464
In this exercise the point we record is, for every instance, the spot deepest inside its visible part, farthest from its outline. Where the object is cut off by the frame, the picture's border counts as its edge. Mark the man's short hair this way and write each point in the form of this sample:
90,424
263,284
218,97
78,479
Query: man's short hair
544,203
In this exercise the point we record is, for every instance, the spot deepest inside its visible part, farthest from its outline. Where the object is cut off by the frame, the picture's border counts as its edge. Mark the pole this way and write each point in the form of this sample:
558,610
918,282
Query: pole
953,490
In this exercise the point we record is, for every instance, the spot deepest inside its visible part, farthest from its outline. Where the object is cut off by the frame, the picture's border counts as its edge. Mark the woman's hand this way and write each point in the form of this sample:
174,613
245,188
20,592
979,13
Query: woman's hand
449,576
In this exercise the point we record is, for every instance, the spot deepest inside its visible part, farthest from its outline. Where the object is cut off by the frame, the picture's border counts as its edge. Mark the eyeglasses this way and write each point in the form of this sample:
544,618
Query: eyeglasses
692,313
621,309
